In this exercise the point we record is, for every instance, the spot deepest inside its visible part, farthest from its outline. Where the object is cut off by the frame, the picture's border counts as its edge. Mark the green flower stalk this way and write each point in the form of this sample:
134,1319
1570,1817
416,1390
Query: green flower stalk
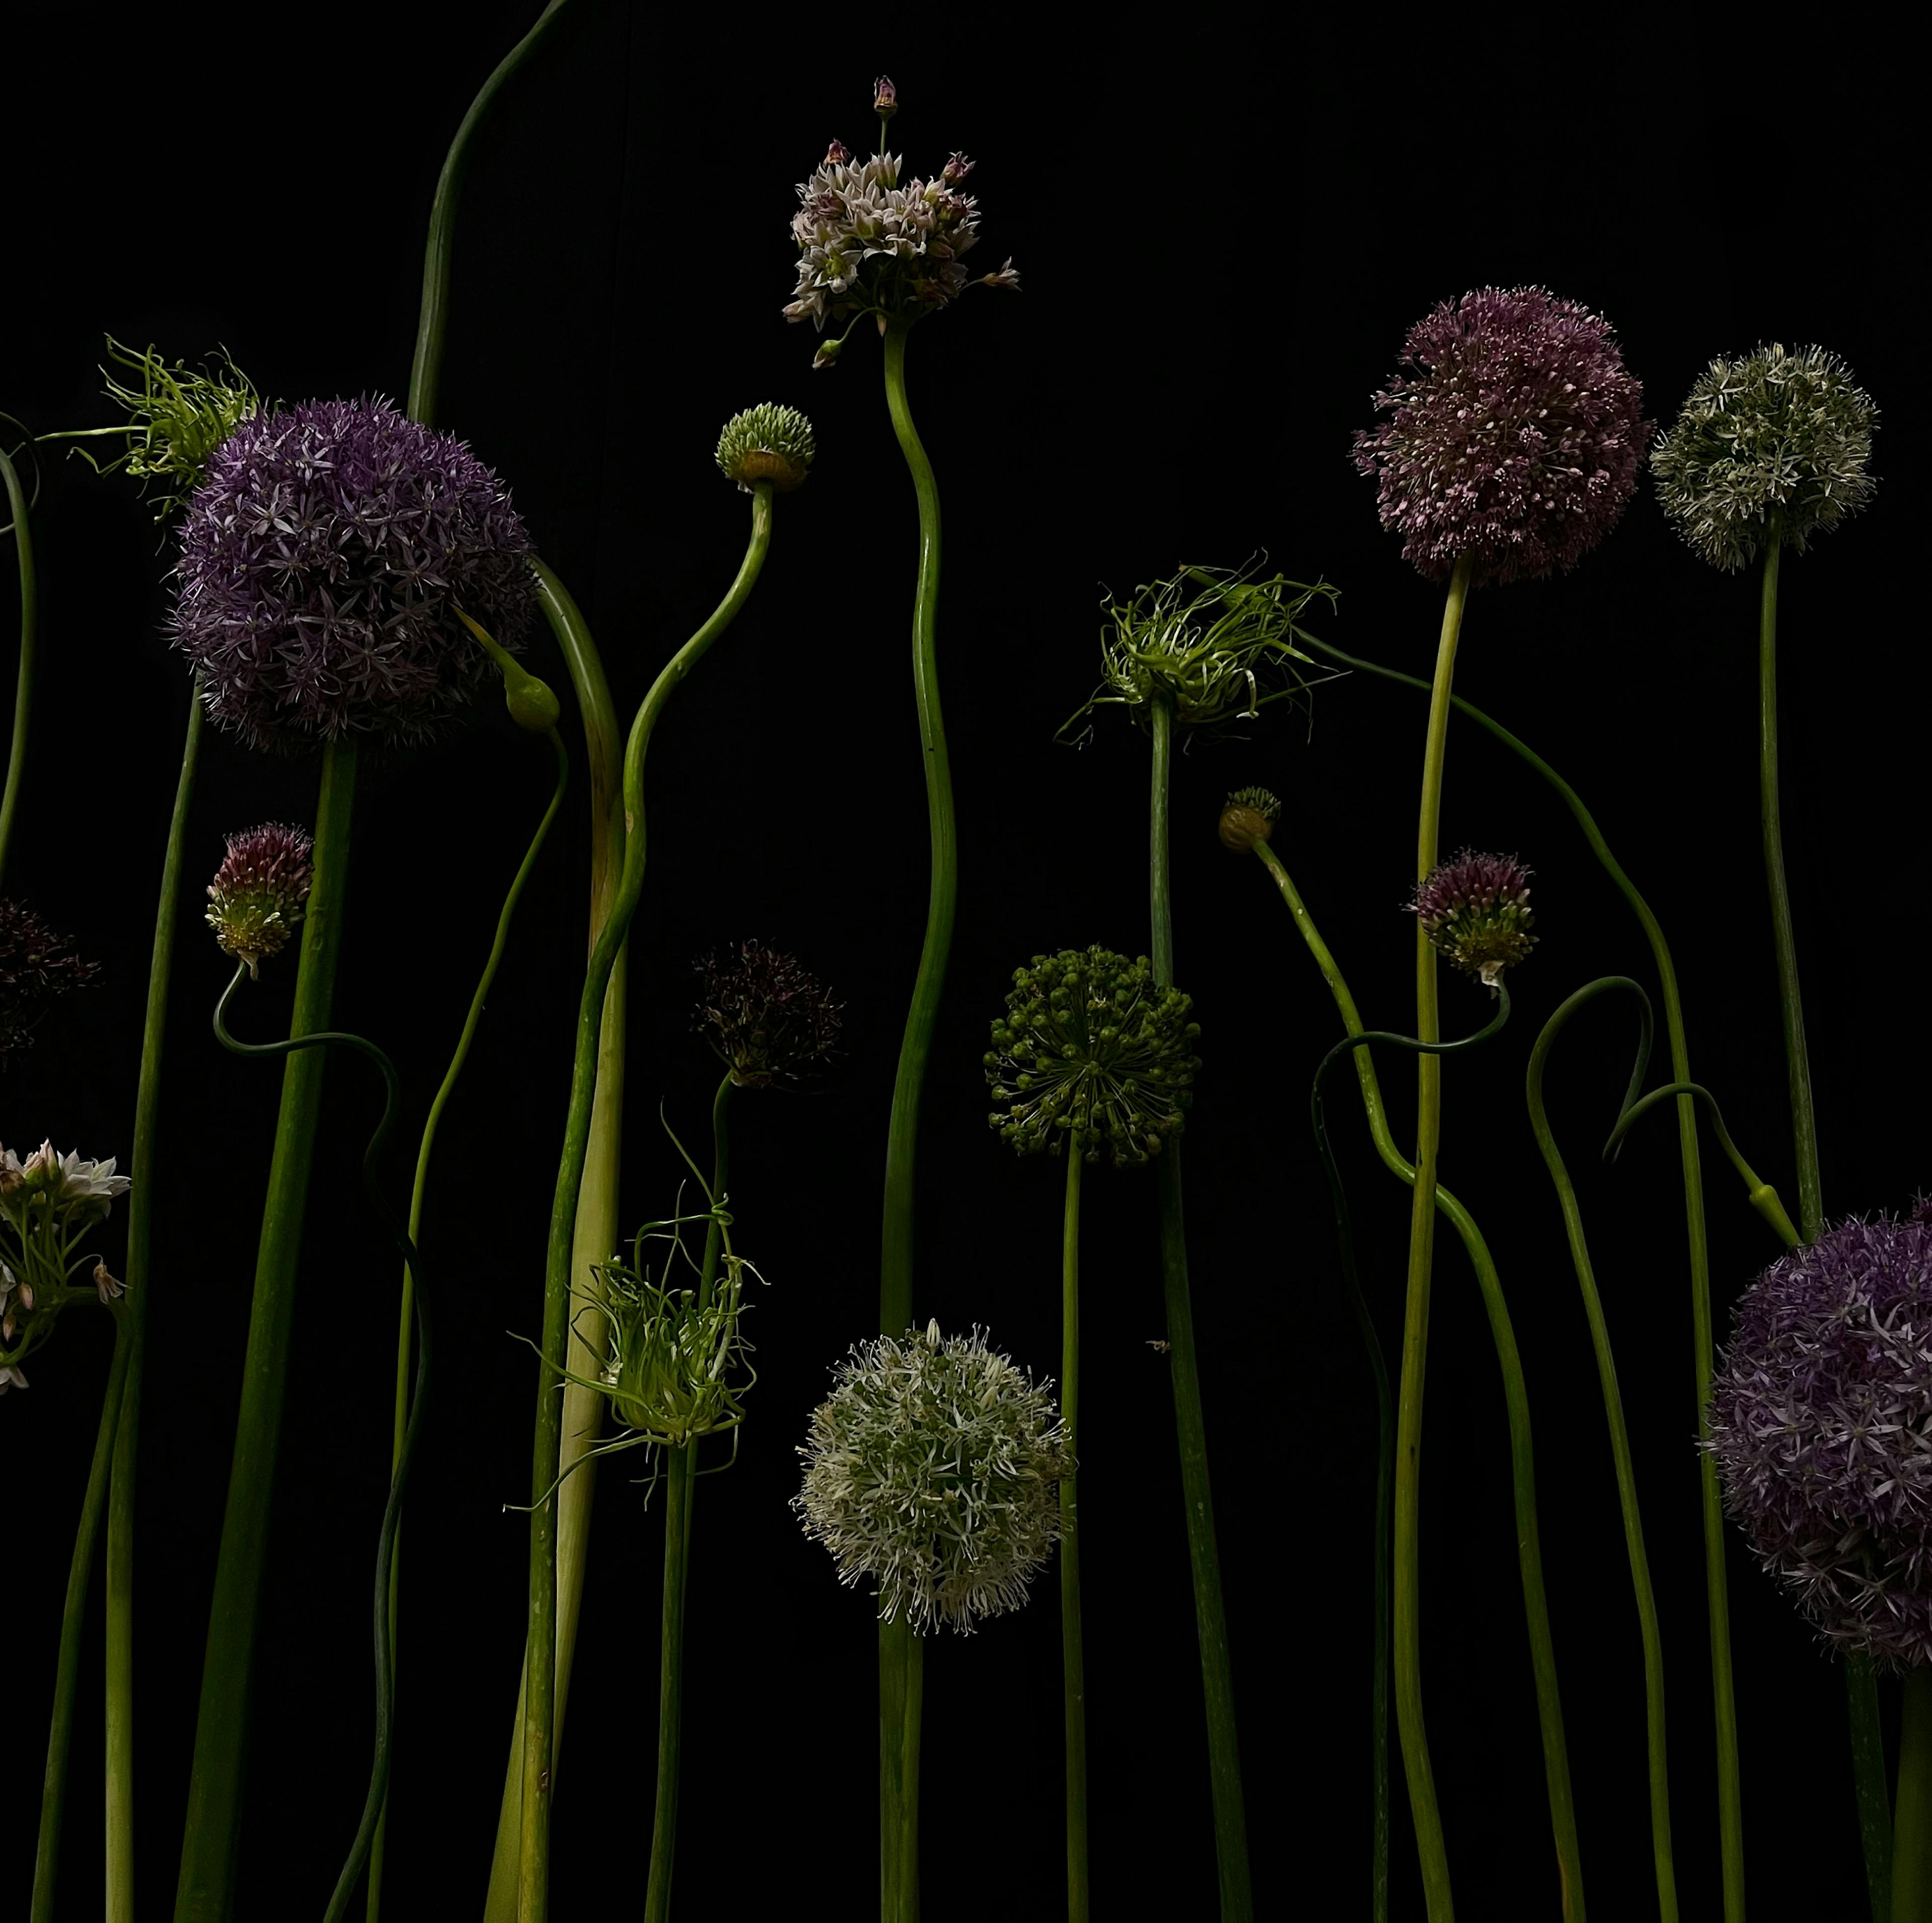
21,529
1090,1057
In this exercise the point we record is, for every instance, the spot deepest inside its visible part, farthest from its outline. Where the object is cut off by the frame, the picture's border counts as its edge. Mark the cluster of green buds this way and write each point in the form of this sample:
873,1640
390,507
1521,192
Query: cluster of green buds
1210,642
1475,910
768,443
49,1204
1091,1053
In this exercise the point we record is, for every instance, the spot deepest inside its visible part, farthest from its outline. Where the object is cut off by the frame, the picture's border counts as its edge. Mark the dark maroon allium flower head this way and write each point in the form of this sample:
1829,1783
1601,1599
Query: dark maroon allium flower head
1821,1412
36,966
768,1019
257,895
885,98
1475,910
1514,432
322,562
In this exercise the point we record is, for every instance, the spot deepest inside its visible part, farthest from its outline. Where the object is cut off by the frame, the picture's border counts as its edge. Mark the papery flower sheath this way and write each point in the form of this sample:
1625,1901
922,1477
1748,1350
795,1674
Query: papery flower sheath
323,561
37,966
1475,910
1249,816
768,1019
1819,1412
1514,434
256,898
1775,435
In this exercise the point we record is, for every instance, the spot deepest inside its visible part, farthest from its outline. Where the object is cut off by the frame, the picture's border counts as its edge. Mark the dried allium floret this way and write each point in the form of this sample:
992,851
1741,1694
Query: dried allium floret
1475,910
36,966
768,1020
1514,434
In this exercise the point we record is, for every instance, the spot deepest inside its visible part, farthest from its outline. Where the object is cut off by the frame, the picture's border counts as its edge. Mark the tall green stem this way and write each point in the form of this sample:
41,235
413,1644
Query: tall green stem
1911,1894
73,1617
1072,1653
900,1660
212,1830
23,686
1217,1681
141,1200
540,1642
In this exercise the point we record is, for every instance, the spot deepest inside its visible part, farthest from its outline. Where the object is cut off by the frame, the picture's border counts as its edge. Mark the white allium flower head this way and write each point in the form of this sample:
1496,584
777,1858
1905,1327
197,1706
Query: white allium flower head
932,1468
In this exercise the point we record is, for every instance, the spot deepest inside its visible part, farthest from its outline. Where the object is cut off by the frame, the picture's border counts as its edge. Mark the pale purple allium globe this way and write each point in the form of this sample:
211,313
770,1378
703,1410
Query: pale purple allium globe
1821,1428
1514,434
322,562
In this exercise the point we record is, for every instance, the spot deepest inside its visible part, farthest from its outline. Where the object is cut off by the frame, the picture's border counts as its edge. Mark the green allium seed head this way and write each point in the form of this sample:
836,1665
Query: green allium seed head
932,1469
669,1360
1090,1052
767,443
1249,817
1775,445
177,417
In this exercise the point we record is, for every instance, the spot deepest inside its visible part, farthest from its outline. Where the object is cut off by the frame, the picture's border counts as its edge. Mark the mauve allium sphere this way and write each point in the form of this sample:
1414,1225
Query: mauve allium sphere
1514,432
322,562
1821,1427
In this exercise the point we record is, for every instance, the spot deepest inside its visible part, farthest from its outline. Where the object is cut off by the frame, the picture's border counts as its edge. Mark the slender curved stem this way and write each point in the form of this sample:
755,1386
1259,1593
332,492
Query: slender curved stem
1211,1615
119,1571
1717,1588
541,1652
899,1658
74,1619
23,686
1072,1651
1763,1197
1613,1414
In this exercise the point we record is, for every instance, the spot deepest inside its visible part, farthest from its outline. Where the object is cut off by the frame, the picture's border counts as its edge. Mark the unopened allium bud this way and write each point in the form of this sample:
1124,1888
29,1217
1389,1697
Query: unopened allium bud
257,897
932,1471
767,443
838,154
37,966
1475,910
768,1019
885,98
1090,1052
1249,817
1774,439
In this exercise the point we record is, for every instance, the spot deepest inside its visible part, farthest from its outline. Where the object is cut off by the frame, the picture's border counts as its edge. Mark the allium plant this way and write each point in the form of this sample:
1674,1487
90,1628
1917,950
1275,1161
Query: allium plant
1514,434
931,1472
1247,817
767,442
37,966
1091,1055
256,898
323,561
767,1020
1475,911
1777,438
50,1204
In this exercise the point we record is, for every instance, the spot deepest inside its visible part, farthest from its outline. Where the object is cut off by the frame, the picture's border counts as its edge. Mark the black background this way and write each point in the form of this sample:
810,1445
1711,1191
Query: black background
1223,241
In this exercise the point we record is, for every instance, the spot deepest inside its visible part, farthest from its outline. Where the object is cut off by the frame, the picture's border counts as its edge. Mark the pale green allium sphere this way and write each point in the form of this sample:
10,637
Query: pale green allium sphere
767,443
1777,438
932,1469
1090,1051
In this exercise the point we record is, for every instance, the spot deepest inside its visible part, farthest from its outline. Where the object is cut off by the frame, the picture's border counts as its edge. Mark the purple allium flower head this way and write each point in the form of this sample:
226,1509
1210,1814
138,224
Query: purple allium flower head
323,562
1515,434
36,966
885,98
256,898
768,1020
1475,911
1821,1428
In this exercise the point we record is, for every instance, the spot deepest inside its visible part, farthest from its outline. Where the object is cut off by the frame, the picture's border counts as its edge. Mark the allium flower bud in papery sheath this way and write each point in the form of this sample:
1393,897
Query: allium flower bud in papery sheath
322,562
1515,434
1249,816
932,1469
1775,435
1475,910
1090,1052
767,443
36,967
1819,1413
256,898
768,1019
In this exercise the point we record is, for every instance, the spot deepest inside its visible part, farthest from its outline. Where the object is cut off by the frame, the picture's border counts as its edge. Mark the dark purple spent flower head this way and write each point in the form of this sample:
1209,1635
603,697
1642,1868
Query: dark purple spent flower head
322,562
768,1020
1514,433
1821,1428
1475,910
36,967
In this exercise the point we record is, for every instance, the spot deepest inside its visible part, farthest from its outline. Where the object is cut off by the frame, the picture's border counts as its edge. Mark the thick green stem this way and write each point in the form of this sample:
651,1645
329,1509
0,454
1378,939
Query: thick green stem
23,688
1613,1414
74,1619
119,1571
899,1661
540,1641
1073,1654
1217,1681
211,1830
1912,1857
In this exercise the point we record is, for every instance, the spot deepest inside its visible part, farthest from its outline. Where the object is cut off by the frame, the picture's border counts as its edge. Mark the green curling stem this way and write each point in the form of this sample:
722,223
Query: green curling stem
211,1829
1911,1865
540,1641
142,1198
392,1511
23,686
1072,1649
1730,1801
1763,1197
424,1151
1613,1415
74,1619
1210,1615
1515,1395
899,1686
